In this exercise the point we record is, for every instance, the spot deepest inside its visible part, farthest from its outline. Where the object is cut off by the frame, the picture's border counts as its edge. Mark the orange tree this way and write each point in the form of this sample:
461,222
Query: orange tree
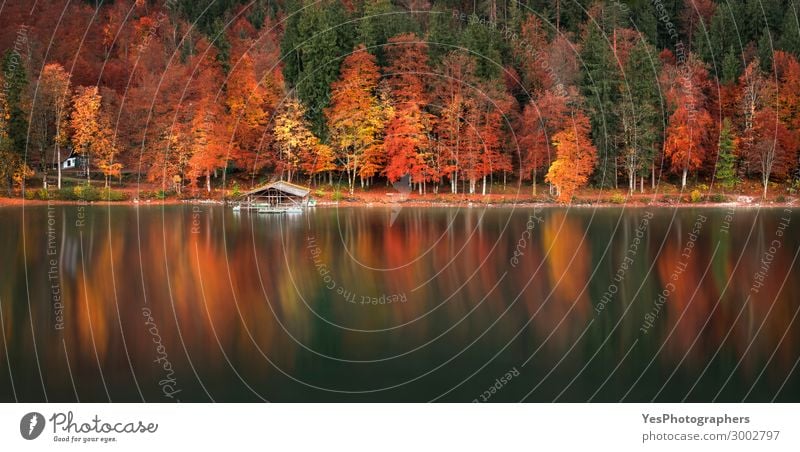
576,158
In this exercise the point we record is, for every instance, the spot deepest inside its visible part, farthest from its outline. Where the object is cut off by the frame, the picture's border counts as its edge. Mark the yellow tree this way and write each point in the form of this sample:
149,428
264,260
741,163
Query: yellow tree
105,149
297,147
356,117
85,122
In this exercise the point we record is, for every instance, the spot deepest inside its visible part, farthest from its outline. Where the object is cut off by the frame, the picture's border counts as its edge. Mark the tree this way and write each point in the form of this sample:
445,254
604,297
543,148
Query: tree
105,150
209,143
639,113
726,157
85,123
317,160
576,158
444,32
249,106
731,67
315,39
787,72
50,107
406,143
711,40
600,86
355,116
755,93
774,150
765,50
493,111
470,123
686,143
15,80
790,31
454,102
696,15
8,157
485,42
529,52
381,20
297,146
769,145
542,118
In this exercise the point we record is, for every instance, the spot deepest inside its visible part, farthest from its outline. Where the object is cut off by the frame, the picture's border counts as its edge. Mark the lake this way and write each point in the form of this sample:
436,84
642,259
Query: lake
200,303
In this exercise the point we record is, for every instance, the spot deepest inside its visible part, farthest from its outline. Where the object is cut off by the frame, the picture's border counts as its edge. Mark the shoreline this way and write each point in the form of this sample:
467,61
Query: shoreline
360,203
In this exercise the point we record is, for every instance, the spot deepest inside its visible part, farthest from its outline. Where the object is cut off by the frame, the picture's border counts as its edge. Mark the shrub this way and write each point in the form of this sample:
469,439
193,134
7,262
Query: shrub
618,198
794,186
337,195
780,198
696,196
66,194
236,190
86,193
719,197
108,194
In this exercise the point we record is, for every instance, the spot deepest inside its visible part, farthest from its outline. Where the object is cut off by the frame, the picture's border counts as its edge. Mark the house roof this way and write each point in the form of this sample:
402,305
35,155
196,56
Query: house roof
283,186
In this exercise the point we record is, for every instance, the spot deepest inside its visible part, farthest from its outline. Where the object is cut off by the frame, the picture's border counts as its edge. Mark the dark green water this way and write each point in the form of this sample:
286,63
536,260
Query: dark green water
201,303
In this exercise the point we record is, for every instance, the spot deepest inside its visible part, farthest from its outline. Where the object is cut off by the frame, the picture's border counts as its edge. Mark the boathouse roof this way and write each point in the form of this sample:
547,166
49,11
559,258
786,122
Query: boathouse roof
286,187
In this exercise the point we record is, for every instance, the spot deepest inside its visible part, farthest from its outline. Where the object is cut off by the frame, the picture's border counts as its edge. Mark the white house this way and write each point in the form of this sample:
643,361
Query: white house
74,162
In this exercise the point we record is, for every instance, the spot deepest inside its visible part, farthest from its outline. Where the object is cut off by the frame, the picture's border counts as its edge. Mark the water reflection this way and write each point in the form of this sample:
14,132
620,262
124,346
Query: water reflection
346,304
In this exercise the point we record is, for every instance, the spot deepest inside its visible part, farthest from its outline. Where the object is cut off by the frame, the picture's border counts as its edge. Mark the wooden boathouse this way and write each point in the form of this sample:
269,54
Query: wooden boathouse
277,195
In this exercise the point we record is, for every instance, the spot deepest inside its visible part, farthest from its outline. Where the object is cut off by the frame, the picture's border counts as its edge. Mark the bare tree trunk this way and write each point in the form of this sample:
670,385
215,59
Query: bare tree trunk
653,177
631,183
558,15
58,151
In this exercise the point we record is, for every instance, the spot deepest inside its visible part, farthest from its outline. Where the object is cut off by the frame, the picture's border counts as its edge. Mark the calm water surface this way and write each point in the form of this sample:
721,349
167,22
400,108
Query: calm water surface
373,304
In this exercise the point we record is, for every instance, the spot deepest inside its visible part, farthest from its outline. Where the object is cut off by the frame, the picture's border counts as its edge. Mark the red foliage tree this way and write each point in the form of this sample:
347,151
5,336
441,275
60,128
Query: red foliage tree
406,143
773,151
541,119
688,139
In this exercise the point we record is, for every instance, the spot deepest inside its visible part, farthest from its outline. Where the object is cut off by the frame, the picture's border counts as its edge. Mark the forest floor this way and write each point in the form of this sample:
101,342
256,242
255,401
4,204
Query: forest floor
665,195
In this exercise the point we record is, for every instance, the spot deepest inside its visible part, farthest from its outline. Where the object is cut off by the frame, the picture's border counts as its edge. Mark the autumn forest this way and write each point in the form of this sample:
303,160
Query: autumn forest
197,97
